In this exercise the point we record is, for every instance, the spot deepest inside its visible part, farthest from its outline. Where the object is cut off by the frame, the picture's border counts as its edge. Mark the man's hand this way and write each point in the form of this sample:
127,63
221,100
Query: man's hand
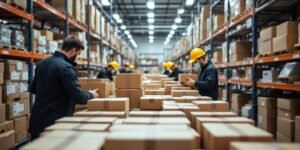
190,82
95,93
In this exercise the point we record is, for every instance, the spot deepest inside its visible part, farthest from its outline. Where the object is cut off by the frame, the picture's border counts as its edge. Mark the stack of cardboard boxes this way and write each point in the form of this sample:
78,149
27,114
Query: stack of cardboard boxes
130,85
267,112
265,43
238,100
286,36
91,84
239,50
203,21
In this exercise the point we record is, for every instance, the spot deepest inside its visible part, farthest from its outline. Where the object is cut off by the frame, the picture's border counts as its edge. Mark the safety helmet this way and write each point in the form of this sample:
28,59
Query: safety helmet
195,54
131,67
169,65
164,65
114,65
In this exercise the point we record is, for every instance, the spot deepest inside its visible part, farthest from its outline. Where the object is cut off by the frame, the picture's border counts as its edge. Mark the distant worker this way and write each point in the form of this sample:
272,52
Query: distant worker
207,82
175,71
56,87
124,69
131,69
166,72
109,71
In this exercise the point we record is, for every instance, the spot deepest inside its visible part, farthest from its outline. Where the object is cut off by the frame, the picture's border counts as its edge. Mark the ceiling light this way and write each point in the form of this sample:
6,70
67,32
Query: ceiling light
151,4
116,16
126,32
180,11
178,20
151,32
129,36
166,42
151,27
172,32
183,34
174,26
150,41
119,21
132,41
150,14
123,27
151,20
189,2
151,37
105,2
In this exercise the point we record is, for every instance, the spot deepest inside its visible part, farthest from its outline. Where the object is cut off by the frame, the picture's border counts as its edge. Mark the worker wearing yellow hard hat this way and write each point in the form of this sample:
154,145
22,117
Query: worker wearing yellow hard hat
175,71
131,68
109,71
125,68
166,72
207,82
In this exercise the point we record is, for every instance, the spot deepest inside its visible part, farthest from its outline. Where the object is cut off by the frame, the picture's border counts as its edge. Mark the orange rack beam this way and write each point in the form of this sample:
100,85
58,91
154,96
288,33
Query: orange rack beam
282,57
16,11
4,52
279,86
240,81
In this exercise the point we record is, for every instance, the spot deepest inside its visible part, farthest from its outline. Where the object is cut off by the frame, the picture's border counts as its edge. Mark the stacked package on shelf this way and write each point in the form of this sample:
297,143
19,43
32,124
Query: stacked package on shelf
130,85
79,10
217,58
94,53
265,45
286,36
237,8
5,35
103,33
262,145
218,22
92,13
51,45
15,103
239,50
287,110
238,100
97,21
17,39
60,5
189,37
196,30
267,112
224,52
203,21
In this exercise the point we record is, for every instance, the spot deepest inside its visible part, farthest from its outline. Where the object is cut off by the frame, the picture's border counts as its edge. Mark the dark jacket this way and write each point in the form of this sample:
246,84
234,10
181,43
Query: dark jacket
57,90
105,74
167,72
122,70
207,83
175,74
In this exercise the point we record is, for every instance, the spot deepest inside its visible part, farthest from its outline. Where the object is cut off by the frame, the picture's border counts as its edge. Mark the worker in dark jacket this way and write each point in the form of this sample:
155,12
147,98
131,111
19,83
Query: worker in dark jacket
124,69
56,87
109,71
207,82
166,72
131,69
175,71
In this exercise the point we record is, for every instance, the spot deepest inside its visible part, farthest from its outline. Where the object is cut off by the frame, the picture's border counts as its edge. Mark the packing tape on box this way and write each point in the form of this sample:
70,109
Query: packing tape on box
214,106
85,120
68,140
241,138
156,114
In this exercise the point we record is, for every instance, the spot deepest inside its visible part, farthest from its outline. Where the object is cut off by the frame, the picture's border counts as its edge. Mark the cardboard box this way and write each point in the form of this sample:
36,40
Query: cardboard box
169,86
7,140
216,106
240,49
87,120
156,120
2,69
151,102
6,126
267,34
186,109
60,5
239,100
14,65
288,27
2,113
103,88
109,104
156,114
181,88
78,127
220,135
66,140
284,42
1,78
267,119
217,58
265,47
128,81
218,22
283,139
262,146
154,92
80,107
286,127
268,102
20,126
182,77
194,115
297,129
134,96
159,140
152,86
141,127
17,109
117,114
179,93
288,108
48,34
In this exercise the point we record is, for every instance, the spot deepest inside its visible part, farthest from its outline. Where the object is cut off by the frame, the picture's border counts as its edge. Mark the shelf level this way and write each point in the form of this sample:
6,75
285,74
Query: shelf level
240,82
16,12
15,54
279,86
278,58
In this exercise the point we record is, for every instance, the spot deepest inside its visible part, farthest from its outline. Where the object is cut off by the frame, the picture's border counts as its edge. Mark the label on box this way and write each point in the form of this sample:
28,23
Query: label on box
24,75
18,108
23,87
10,89
19,66
260,119
15,75
286,114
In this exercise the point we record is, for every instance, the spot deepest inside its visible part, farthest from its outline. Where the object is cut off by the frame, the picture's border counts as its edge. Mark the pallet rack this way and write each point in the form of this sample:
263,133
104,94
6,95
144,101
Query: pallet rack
258,16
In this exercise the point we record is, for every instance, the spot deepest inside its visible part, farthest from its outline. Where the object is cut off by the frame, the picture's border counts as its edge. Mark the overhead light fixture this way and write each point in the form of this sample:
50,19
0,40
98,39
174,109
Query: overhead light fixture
183,34
116,16
180,11
165,43
150,14
126,32
172,32
178,20
189,2
150,41
151,37
105,2
129,36
119,21
151,32
174,26
151,27
151,20
123,27
150,4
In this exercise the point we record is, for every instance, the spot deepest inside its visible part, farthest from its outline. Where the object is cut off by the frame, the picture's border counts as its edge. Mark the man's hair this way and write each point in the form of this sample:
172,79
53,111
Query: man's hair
71,42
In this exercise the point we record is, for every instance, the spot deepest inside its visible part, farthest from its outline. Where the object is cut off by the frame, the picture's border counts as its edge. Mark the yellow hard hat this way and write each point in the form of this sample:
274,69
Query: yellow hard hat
164,65
114,65
169,65
195,54
131,67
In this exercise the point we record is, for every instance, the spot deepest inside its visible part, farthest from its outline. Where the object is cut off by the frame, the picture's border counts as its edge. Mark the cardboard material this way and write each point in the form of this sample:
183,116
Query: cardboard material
186,109
284,42
128,81
79,127
134,96
181,88
267,119
288,27
288,108
156,114
117,114
263,146
179,93
297,129
7,140
265,47
17,109
240,50
6,126
239,100
143,127
89,120
194,115
144,141
169,86
154,92
66,140
268,102
182,77
2,113
286,127
20,127
151,102
103,88
267,33
187,99
216,106
220,135
156,120
283,139
152,86
109,104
